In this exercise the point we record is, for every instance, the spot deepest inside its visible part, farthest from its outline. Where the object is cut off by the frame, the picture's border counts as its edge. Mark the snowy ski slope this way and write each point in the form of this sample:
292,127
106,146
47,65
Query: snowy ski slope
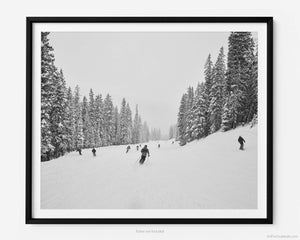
210,173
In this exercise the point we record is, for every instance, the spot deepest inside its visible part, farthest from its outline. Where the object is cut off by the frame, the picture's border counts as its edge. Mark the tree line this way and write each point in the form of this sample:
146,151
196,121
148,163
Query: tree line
69,122
228,96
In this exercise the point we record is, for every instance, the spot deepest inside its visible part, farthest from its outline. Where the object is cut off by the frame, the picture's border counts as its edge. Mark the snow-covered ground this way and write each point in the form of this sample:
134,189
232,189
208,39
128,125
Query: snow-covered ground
211,173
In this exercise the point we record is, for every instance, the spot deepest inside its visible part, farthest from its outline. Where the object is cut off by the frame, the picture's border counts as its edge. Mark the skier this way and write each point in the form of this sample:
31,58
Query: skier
241,141
127,149
158,145
144,152
94,152
79,150
173,142
137,147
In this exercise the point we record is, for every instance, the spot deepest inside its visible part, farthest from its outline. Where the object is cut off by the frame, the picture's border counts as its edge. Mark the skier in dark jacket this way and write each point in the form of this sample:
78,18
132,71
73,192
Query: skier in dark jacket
127,149
158,145
241,141
94,152
145,152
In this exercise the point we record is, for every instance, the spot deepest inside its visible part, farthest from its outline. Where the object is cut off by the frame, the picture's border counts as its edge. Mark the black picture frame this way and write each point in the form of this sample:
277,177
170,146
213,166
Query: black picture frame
29,120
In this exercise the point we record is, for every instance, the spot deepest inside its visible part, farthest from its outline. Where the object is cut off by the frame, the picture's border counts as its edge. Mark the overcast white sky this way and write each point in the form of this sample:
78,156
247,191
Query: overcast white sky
151,69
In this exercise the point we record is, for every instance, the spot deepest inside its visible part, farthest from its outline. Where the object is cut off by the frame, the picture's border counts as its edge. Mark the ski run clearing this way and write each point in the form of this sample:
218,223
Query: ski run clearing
210,173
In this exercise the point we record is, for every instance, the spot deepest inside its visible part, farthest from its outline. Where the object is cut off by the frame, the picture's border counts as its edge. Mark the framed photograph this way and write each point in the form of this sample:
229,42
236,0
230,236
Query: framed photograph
149,120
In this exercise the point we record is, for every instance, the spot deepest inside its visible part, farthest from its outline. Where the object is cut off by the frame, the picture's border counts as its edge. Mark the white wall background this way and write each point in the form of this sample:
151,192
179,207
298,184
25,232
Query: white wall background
286,116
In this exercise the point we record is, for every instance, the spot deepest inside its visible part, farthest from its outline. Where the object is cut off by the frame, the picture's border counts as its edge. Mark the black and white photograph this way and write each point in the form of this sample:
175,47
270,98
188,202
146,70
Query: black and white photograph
171,120
139,120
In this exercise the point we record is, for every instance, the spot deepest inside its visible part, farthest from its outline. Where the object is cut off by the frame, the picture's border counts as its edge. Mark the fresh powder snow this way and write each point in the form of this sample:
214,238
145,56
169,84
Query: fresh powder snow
210,173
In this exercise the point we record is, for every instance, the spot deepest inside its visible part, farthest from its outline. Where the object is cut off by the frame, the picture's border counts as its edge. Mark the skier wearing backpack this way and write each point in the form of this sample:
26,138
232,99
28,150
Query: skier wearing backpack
145,152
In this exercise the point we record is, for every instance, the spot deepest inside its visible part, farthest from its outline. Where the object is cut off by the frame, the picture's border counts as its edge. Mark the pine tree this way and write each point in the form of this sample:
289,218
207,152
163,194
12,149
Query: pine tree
98,120
216,102
252,89
199,126
87,134
189,114
226,117
139,129
47,90
182,121
58,116
70,121
108,120
123,123
92,117
78,134
129,123
116,123
229,116
136,126
190,119
208,73
240,76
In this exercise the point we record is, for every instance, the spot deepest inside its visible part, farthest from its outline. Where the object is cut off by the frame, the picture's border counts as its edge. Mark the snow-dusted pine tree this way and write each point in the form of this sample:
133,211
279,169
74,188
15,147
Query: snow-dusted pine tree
208,74
108,115
199,125
70,121
47,91
92,117
182,121
139,129
252,90
116,123
87,133
129,123
58,116
137,124
123,123
229,116
78,135
240,76
189,114
216,95
99,120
